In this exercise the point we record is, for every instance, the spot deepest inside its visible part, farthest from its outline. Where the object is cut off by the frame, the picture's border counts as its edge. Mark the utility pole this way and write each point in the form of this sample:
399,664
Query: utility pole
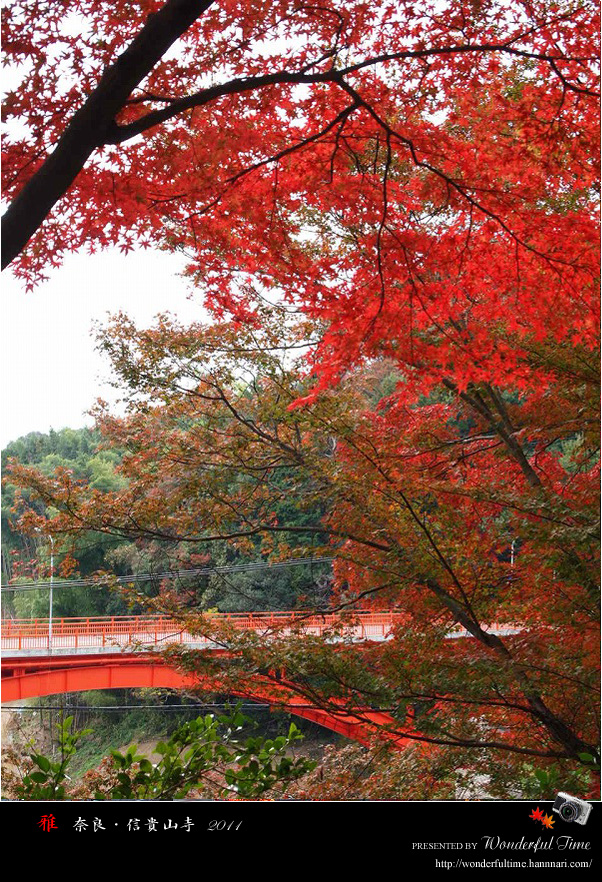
51,587
38,530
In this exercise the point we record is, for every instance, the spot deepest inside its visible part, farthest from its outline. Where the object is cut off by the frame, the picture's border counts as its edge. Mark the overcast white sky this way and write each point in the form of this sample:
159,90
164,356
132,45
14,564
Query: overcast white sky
51,373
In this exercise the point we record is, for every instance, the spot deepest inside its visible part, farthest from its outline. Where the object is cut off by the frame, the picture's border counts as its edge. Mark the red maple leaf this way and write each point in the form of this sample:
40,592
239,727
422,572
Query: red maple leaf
537,814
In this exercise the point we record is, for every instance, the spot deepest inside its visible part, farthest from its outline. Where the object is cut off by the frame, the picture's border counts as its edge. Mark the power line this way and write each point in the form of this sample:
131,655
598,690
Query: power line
124,707
174,574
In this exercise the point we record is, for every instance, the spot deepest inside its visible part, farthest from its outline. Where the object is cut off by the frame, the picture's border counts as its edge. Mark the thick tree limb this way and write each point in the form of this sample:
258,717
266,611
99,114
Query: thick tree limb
88,128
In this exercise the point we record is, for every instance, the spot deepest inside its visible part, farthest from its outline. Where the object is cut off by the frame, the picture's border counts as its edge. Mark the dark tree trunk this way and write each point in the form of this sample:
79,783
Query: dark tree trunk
89,125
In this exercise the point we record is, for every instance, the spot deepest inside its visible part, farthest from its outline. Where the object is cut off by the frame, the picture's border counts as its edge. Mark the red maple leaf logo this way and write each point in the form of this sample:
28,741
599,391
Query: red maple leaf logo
537,814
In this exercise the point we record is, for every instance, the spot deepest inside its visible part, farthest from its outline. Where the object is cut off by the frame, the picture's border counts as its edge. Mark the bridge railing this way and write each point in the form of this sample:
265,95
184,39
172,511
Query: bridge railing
103,631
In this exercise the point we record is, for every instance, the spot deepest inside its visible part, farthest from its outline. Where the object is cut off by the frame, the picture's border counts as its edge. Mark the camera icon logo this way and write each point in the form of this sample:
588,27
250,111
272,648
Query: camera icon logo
570,808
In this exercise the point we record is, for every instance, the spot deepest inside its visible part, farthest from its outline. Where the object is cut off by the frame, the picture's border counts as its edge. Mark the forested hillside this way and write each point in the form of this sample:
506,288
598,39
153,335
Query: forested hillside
26,558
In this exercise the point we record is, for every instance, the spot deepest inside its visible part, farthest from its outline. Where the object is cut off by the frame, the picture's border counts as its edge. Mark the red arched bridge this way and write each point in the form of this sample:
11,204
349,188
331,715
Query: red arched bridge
78,654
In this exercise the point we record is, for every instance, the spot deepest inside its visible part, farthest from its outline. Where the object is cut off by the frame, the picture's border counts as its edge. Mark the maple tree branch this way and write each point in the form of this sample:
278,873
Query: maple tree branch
379,235
304,689
422,527
339,120
89,125
466,617
117,134
501,428
504,428
452,183
137,530
120,133
557,727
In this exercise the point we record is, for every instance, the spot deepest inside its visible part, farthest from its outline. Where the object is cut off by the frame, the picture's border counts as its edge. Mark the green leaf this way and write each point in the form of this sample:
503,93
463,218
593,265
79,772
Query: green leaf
42,761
